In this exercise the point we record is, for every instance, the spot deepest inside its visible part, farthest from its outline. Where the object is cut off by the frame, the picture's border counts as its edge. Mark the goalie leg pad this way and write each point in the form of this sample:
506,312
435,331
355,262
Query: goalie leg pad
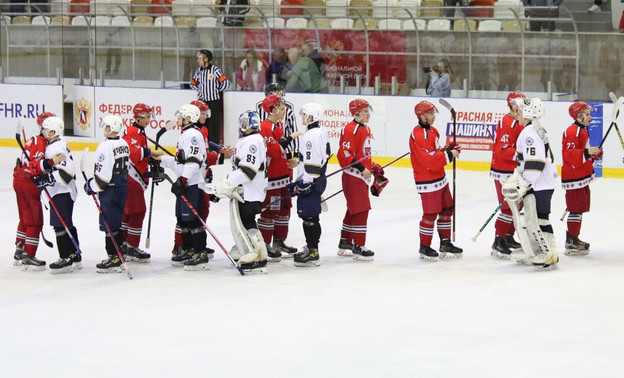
526,252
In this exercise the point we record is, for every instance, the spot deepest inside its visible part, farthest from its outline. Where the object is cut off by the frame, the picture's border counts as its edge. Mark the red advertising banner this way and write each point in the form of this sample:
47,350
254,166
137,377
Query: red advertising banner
385,48
474,130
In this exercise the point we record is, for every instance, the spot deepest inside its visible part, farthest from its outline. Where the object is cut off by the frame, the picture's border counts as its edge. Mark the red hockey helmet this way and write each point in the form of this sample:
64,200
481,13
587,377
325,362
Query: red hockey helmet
358,105
512,96
42,117
202,106
141,110
577,108
271,101
423,108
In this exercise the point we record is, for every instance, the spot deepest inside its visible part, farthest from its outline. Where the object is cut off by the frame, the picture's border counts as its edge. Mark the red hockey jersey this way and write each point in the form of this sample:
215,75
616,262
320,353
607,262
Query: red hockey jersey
577,170
35,148
355,144
427,159
278,171
137,141
504,149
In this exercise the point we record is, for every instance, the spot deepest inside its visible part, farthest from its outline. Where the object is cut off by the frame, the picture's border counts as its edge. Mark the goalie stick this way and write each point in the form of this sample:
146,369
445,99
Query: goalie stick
446,104
104,222
188,204
20,130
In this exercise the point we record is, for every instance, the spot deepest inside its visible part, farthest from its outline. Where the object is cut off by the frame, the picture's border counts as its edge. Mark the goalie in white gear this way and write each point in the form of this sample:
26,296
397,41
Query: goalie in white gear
249,177
533,182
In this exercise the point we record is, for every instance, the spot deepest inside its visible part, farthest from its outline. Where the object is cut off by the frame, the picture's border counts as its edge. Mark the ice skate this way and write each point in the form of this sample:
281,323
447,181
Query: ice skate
32,263
362,253
279,245
199,261
18,256
62,266
449,251
345,248
177,250
427,253
110,265
255,267
76,261
210,253
274,256
500,248
575,246
179,260
512,243
307,257
135,254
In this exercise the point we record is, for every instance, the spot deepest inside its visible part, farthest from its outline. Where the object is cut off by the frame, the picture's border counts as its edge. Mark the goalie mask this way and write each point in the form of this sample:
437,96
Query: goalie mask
533,108
249,120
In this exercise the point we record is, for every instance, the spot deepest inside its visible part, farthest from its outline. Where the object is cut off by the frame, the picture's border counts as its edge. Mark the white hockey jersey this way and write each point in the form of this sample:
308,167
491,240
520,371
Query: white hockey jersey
65,171
193,147
249,167
111,164
535,159
313,153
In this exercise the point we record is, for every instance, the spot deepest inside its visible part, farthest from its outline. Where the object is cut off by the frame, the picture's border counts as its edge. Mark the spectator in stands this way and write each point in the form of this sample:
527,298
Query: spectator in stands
610,66
542,9
508,67
595,7
251,75
309,49
622,23
113,49
304,76
278,67
440,78
235,9
450,10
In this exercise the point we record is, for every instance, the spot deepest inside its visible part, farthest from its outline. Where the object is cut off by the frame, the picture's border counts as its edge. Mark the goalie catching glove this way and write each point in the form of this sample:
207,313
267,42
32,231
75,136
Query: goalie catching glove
515,188
379,180
225,189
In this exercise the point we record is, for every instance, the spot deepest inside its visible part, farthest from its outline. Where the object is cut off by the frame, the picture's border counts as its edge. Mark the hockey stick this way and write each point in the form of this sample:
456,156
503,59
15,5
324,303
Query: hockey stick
383,166
20,129
104,222
445,103
314,182
617,105
159,134
188,204
474,239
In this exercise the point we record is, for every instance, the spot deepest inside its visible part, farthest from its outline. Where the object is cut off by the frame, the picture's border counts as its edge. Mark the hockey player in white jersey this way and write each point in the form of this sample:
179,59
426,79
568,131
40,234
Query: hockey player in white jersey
110,182
310,183
249,177
62,189
190,167
533,182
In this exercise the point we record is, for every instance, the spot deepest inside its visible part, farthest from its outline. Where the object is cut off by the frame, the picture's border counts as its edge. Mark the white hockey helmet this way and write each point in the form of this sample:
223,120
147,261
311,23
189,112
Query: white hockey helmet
53,124
114,123
188,110
311,109
249,120
533,108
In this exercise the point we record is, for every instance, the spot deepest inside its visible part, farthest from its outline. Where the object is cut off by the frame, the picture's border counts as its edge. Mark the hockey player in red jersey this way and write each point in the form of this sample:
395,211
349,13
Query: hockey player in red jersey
576,174
502,167
428,162
273,221
355,145
134,209
30,168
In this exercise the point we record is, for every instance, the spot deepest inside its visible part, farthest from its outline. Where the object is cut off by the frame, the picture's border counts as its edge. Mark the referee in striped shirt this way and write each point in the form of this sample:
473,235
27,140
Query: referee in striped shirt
290,121
209,82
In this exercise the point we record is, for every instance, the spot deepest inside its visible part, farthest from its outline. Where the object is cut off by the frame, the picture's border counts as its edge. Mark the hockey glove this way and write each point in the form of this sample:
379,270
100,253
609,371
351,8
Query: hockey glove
179,187
87,187
299,188
44,179
451,146
379,183
597,156
515,187
377,169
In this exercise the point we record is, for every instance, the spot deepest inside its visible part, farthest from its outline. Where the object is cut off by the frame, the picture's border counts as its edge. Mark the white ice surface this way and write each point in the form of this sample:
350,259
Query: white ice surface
394,317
